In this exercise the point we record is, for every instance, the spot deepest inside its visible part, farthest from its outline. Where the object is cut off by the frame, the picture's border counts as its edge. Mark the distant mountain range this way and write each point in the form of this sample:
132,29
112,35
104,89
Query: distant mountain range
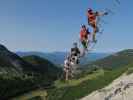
115,60
55,57
59,57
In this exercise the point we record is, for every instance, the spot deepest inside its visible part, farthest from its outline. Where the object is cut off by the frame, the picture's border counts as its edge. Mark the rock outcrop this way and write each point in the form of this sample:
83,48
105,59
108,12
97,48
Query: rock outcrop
119,89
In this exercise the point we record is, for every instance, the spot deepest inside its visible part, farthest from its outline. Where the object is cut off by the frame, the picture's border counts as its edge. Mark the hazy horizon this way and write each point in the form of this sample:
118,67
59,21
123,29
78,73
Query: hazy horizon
59,51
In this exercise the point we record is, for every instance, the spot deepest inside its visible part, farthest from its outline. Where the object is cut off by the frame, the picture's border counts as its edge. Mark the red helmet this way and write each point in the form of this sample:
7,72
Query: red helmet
89,10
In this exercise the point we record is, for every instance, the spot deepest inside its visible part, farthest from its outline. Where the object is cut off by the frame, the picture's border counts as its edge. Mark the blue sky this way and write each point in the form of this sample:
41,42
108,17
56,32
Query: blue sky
53,25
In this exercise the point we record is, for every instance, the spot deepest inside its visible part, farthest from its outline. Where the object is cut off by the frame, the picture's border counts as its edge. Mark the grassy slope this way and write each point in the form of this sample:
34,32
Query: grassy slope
43,66
119,59
76,89
14,84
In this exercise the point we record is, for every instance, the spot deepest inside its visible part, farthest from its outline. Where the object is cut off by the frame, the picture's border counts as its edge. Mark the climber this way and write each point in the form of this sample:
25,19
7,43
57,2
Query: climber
67,67
75,54
84,33
92,21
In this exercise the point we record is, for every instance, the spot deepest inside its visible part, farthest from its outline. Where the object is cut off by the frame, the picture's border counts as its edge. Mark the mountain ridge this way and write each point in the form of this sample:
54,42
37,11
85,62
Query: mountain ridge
18,75
59,57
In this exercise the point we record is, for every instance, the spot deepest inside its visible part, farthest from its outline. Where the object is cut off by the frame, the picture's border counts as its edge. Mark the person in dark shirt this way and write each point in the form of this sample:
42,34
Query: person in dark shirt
75,53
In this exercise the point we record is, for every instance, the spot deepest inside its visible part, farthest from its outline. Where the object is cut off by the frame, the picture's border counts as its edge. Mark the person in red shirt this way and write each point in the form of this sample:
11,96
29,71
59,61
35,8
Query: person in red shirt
92,21
84,33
